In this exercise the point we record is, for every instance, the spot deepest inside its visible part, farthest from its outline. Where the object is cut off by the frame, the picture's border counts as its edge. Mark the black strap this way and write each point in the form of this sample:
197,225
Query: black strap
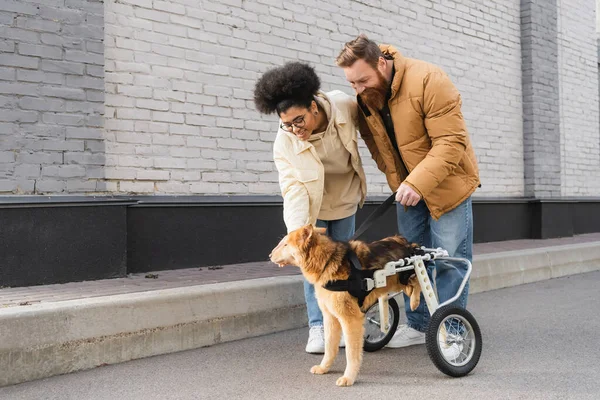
379,211
356,284
354,261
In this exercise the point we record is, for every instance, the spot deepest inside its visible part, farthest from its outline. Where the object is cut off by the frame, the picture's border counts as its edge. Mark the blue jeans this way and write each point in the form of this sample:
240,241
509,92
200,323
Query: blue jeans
452,232
340,230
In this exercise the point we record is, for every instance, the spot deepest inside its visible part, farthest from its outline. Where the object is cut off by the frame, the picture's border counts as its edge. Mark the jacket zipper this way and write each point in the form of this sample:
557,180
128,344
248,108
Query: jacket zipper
380,121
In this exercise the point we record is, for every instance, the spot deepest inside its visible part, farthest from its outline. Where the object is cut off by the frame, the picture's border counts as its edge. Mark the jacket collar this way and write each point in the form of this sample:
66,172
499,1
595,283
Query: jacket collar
298,145
330,108
399,66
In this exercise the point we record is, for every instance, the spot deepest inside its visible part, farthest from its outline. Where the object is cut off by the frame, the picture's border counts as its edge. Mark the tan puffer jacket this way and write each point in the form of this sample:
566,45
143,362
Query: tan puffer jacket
431,134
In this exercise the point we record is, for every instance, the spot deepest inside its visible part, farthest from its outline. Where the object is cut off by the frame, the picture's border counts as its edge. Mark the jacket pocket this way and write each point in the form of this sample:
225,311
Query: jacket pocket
306,175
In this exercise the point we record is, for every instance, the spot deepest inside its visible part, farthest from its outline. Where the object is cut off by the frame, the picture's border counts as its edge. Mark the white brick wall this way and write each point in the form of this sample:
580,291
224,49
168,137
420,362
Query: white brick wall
176,115
180,75
51,96
579,108
597,16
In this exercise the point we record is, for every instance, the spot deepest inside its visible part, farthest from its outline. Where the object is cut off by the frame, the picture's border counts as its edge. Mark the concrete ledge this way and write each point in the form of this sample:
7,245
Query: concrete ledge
55,338
512,268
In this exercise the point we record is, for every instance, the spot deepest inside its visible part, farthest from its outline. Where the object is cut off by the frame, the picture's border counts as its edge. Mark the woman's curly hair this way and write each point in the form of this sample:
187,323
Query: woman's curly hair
293,84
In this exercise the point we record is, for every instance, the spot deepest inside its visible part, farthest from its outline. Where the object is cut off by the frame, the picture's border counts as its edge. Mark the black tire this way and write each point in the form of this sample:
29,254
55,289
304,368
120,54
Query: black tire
375,343
467,359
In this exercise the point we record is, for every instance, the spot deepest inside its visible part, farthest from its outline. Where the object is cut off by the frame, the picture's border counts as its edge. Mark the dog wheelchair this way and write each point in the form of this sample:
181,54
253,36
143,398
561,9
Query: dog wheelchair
450,326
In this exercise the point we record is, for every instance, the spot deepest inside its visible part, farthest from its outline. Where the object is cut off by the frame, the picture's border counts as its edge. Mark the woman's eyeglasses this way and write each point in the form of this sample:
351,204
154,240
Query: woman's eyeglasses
298,122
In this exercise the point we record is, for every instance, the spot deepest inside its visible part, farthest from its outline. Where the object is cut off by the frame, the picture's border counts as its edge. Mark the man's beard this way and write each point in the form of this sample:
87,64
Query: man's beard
376,97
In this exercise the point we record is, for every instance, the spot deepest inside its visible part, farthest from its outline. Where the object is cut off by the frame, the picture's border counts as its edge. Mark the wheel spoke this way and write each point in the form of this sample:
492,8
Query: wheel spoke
454,330
454,341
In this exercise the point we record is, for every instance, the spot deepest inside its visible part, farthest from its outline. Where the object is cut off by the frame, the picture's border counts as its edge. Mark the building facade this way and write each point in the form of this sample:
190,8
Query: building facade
150,102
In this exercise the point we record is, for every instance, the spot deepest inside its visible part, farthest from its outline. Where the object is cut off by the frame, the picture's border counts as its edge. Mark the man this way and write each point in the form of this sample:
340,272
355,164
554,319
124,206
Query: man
410,118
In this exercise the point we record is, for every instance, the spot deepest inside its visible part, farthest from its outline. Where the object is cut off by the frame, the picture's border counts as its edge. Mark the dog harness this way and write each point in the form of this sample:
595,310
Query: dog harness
356,284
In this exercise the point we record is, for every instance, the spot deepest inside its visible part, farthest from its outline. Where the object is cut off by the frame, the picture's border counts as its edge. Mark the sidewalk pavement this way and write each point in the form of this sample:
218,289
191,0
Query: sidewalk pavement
56,329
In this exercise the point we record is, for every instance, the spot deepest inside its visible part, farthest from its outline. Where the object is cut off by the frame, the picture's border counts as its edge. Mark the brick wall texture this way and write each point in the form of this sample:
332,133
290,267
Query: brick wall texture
163,105
579,108
541,98
52,96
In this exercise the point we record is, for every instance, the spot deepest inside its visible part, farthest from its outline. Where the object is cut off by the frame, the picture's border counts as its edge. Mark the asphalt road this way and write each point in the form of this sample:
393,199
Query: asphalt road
540,341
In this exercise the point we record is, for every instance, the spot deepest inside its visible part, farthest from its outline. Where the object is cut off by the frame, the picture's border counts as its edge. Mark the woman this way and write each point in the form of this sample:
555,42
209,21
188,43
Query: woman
320,172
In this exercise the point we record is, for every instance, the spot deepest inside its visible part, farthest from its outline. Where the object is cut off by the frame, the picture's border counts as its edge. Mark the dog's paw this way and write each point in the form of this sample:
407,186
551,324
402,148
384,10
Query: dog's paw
414,303
344,381
318,370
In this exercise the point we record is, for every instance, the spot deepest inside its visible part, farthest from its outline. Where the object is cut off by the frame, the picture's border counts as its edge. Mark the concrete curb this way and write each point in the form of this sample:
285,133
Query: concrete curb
49,339
512,268
55,338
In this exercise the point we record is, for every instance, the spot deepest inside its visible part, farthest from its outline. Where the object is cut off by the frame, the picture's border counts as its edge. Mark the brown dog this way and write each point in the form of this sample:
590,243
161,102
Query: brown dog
323,260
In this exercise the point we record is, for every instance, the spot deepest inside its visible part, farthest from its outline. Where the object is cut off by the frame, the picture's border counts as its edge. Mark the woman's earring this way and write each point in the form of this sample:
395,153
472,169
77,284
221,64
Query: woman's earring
316,112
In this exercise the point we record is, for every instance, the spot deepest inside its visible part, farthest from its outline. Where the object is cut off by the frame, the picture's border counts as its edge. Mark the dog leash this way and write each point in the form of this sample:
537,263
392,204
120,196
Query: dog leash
379,211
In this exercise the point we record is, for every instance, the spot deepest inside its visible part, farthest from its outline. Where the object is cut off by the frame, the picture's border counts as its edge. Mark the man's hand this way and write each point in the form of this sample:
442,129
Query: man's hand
407,196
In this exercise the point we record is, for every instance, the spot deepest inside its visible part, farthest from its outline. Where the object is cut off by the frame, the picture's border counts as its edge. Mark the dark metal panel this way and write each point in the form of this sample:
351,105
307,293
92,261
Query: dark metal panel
45,245
62,239
185,237
586,217
556,220
497,221
175,235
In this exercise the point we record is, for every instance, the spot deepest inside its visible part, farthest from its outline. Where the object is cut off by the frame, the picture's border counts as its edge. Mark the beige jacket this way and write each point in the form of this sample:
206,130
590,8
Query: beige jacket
301,172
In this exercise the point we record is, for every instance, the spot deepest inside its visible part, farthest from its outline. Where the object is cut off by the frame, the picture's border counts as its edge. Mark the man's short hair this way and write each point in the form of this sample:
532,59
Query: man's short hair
357,49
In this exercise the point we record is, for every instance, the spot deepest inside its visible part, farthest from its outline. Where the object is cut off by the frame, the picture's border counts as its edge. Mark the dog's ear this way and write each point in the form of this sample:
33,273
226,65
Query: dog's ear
306,233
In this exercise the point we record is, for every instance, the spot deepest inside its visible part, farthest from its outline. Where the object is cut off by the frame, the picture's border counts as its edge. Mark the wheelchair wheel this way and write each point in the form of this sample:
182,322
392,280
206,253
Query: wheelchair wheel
374,338
454,340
